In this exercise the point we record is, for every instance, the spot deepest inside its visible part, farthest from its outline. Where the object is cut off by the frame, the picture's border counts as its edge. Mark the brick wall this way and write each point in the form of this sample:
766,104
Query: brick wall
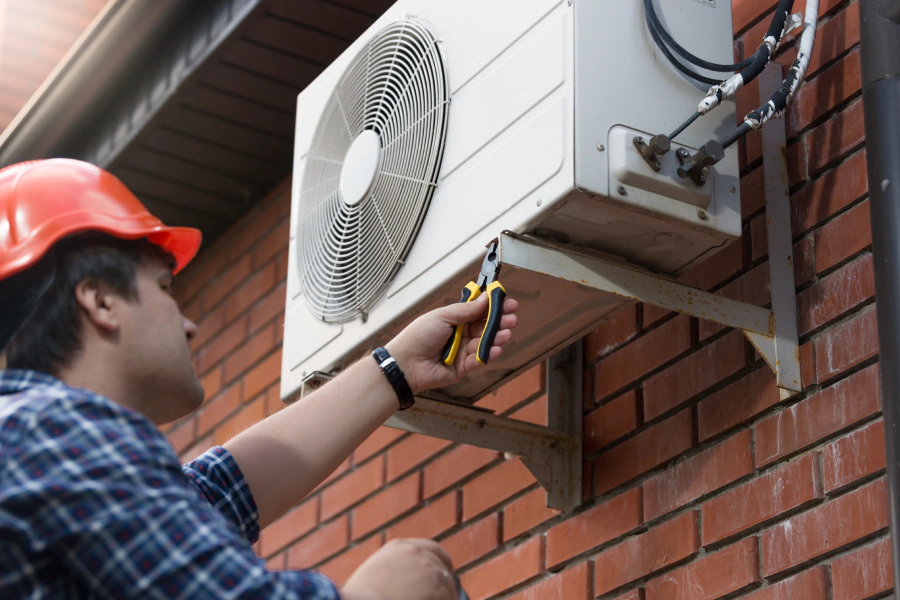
699,482
34,36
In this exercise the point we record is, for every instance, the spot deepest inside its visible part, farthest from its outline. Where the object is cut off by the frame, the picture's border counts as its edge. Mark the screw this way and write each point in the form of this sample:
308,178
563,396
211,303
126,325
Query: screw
538,202
703,216
639,139
702,178
657,165
601,147
682,152
733,189
622,191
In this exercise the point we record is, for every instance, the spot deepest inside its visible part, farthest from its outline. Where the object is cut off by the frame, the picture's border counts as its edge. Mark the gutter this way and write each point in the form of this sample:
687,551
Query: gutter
880,48
91,73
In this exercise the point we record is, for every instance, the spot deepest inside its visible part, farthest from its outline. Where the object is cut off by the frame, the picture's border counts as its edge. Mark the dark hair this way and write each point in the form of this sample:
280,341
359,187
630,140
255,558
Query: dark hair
49,337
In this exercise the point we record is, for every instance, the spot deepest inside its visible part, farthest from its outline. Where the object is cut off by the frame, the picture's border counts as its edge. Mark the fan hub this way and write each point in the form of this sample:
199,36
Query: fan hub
360,167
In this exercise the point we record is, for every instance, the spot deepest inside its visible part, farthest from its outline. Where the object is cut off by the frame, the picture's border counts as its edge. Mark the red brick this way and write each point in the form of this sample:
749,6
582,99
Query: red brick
212,382
654,314
610,422
375,443
527,512
229,279
429,521
798,163
324,542
864,573
274,242
708,471
611,334
298,522
690,376
222,344
249,291
209,326
808,585
340,568
836,295
751,287
535,412
746,506
821,94
745,12
250,415
271,306
571,584
828,527
714,576
642,356
723,265
254,226
848,234
263,375
829,194
386,506
753,193
637,594
806,422
277,562
833,38
594,527
218,409
474,541
183,436
411,452
528,384
454,466
647,553
352,488
495,486
647,450
808,365
837,136
505,571
249,353
199,447
273,400
737,403
847,345
854,456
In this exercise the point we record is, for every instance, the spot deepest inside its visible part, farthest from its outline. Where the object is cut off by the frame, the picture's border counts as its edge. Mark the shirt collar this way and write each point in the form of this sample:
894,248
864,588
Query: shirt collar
14,381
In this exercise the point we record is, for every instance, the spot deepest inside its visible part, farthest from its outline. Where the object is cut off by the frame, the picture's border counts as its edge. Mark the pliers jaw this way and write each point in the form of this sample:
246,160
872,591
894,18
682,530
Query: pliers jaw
490,266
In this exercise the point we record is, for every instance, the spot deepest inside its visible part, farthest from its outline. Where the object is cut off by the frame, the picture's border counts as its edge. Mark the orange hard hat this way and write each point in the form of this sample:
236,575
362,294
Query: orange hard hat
42,201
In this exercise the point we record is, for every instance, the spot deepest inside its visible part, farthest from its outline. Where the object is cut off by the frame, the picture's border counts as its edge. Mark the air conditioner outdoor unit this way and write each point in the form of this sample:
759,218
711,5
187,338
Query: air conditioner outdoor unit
448,122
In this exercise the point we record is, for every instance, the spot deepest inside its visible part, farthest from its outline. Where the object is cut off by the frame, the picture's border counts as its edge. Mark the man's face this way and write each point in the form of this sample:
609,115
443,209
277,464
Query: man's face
155,337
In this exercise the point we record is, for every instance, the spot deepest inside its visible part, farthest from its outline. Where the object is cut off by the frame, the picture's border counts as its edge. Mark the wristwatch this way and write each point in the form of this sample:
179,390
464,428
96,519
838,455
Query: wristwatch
395,376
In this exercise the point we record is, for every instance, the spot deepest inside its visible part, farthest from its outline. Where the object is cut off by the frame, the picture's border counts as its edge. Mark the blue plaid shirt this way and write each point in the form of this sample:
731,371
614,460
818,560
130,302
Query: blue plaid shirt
93,504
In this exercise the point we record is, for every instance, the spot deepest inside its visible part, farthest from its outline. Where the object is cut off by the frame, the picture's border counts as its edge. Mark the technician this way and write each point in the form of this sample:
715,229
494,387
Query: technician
93,501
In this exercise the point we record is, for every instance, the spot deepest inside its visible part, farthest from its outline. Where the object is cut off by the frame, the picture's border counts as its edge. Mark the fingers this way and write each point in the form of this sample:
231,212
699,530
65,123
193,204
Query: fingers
506,322
435,549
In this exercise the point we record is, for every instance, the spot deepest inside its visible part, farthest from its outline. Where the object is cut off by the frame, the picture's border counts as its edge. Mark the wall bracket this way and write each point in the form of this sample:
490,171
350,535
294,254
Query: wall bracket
553,453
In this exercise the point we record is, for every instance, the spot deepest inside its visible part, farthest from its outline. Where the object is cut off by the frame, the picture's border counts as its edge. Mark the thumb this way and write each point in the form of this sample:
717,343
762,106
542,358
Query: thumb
465,312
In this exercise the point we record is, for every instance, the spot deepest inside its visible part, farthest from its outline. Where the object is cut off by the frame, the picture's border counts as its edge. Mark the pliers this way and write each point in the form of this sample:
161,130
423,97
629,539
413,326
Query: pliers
488,282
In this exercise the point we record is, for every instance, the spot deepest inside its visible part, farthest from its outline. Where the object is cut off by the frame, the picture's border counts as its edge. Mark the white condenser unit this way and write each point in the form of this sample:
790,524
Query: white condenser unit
449,122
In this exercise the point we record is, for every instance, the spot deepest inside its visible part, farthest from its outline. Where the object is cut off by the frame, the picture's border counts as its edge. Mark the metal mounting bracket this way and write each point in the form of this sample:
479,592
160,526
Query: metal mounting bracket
553,453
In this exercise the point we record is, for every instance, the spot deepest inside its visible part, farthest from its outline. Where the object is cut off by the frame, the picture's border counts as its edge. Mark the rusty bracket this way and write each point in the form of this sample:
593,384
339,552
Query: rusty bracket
552,453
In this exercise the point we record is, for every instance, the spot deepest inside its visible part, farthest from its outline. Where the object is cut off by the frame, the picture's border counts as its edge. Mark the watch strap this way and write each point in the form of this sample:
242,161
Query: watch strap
395,377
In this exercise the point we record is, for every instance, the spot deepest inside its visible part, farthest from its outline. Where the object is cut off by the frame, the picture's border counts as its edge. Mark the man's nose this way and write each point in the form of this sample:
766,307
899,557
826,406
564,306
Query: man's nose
190,328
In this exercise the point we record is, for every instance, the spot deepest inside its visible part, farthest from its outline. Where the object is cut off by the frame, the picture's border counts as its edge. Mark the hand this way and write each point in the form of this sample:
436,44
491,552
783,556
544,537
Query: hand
417,348
404,570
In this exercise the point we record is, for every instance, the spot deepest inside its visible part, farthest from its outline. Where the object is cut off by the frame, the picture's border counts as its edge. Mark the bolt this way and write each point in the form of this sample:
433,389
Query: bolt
639,139
733,189
622,191
682,152
702,179
657,165
601,147
703,216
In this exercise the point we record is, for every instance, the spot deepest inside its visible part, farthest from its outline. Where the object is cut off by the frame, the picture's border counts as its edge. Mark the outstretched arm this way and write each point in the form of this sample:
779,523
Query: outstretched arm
287,455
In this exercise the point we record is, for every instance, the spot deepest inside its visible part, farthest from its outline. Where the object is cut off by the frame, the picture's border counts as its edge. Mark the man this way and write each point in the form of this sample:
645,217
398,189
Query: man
93,502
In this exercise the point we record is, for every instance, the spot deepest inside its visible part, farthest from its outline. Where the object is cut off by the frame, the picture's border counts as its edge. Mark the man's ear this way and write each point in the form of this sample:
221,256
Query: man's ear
99,304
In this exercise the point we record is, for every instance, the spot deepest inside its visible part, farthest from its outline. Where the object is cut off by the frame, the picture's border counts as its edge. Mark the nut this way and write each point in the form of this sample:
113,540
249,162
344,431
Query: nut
703,216
622,191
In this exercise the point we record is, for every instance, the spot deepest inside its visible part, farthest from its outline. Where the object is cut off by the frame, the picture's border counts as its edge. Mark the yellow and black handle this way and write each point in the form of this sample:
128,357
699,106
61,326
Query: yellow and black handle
470,293
496,294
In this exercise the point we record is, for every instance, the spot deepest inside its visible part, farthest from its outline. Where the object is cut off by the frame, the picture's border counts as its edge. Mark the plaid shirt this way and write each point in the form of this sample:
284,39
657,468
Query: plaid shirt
93,504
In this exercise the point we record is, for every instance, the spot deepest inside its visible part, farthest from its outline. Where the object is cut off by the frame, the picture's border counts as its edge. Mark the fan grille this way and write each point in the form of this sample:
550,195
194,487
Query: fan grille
350,249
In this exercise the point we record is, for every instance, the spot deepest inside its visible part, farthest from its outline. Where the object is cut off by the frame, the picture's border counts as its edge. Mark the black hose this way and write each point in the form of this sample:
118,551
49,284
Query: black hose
685,125
764,54
677,63
655,23
739,132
